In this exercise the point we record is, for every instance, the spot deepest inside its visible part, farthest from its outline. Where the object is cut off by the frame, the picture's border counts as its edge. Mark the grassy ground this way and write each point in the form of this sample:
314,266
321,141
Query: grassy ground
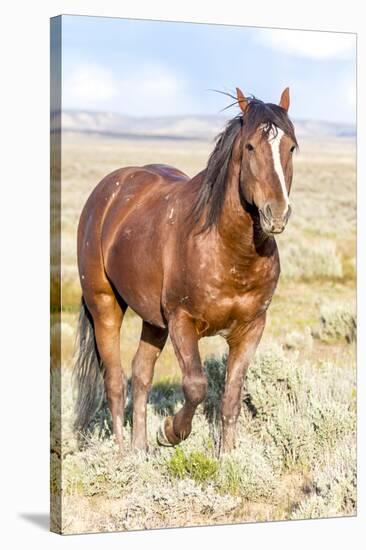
296,457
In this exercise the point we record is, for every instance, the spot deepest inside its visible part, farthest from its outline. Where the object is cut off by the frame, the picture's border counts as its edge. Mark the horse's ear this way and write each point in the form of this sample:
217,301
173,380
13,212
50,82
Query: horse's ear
242,100
285,99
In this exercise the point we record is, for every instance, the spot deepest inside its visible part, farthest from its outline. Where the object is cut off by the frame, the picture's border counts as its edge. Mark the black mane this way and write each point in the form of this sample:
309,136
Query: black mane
211,194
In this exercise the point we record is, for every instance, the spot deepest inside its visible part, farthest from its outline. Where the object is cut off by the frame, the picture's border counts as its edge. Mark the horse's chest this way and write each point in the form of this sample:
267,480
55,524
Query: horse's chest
238,297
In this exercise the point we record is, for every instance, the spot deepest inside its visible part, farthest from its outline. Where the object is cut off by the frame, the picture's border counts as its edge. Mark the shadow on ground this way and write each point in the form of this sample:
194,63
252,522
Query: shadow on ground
40,520
166,396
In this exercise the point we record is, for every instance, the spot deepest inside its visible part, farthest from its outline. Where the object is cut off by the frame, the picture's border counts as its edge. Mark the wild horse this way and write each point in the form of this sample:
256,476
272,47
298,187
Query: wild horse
192,257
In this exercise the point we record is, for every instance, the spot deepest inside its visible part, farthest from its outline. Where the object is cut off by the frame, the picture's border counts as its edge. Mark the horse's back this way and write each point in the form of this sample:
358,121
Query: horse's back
166,171
121,190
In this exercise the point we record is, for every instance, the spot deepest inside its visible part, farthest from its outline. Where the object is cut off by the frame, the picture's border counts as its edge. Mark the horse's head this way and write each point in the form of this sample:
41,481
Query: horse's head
267,144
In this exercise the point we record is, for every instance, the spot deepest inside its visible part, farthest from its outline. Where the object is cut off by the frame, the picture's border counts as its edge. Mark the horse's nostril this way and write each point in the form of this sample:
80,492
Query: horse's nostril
288,213
268,211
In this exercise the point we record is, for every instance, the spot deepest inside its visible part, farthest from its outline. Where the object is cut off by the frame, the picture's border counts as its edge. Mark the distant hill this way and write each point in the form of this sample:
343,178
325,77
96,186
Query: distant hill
317,128
176,127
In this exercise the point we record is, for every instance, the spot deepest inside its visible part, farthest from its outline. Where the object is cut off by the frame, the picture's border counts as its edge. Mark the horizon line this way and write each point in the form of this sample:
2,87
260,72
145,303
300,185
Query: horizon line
190,115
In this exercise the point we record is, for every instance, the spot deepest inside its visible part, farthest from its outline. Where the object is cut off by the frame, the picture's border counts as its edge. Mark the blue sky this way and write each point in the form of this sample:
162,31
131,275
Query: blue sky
159,68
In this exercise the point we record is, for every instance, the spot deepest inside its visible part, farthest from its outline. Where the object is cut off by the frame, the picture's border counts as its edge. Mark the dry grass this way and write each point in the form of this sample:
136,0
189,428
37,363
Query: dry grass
296,457
303,431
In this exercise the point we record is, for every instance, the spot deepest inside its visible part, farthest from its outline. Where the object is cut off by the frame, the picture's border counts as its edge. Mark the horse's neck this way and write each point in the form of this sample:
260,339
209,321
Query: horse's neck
238,228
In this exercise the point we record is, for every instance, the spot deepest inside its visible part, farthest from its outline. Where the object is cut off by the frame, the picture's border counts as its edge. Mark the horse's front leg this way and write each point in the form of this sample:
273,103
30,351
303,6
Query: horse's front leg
184,337
242,346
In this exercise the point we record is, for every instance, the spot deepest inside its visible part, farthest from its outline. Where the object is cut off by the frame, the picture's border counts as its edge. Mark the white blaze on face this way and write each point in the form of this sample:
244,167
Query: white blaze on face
274,141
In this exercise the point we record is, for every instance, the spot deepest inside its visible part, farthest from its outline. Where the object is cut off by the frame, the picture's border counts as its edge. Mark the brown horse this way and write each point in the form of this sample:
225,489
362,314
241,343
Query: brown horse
192,257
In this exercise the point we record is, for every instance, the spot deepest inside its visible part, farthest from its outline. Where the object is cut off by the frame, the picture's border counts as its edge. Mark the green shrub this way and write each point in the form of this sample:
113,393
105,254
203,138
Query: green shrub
303,432
291,432
99,469
296,340
306,262
250,471
194,465
301,411
274,378
335,483
331,421
337,322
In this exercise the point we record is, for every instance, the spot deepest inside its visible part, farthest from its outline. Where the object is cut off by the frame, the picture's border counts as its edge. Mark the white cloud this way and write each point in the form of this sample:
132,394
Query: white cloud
140,89
311,44
151,89
88,86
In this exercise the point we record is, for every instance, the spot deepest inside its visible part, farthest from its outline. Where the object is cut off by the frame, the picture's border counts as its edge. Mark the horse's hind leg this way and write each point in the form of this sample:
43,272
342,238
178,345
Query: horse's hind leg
107,315
185,341
151,343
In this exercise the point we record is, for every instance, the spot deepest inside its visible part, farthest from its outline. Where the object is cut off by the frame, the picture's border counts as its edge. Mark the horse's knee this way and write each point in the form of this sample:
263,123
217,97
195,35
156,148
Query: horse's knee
195,388
230,410
141,377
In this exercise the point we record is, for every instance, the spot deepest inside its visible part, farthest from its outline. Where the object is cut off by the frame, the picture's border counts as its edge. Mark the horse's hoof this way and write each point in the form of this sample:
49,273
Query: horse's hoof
161,436
166,435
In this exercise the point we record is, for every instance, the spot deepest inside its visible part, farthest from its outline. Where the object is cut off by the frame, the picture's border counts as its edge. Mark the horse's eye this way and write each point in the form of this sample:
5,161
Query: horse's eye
250,147
292,149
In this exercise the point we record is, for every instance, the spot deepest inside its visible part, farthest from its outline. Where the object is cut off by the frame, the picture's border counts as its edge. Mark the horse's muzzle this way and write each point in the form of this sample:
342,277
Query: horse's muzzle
271,224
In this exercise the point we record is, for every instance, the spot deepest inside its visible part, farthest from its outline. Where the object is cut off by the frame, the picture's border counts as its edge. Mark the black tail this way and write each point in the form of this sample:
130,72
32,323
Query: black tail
88,372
